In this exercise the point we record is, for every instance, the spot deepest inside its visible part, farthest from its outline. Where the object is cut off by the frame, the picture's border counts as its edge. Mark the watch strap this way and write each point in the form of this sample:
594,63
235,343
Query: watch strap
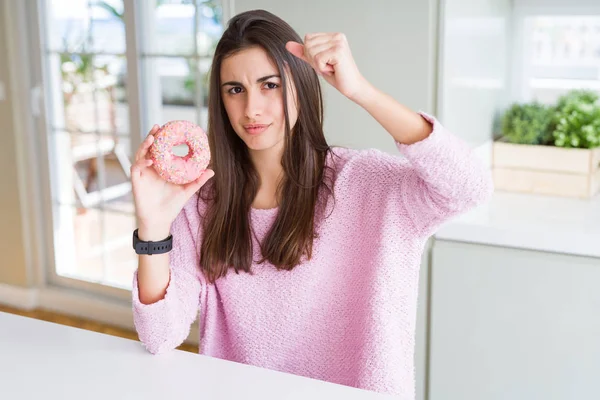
150,247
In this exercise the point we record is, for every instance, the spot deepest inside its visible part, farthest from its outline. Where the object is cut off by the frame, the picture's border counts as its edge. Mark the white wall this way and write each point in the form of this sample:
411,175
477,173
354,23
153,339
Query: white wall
393,42
474,59
13,245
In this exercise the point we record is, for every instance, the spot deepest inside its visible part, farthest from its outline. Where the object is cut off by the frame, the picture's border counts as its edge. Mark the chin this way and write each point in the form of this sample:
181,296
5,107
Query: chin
261,146
258,143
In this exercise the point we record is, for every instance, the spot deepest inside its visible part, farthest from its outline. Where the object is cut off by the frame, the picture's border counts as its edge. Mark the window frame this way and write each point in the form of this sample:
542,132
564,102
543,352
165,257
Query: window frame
139,123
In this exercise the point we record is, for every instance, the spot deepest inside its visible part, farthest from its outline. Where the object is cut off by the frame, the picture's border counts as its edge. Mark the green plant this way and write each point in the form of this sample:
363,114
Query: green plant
528,123
577,96
576,121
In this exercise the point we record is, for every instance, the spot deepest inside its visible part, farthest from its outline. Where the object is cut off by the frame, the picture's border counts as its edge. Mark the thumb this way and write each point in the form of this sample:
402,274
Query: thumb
296,49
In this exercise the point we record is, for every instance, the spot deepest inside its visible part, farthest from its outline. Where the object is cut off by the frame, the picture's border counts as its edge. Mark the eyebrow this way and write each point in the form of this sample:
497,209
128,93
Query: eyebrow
259,80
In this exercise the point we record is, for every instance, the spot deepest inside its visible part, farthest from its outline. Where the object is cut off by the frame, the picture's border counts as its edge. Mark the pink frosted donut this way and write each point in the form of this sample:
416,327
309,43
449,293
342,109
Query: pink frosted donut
171,167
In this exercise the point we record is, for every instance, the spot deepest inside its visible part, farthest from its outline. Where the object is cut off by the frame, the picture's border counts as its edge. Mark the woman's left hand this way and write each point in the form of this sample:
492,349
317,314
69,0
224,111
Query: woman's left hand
329,54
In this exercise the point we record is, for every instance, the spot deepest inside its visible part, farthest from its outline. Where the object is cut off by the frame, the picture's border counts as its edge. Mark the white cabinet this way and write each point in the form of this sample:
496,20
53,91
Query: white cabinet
513,324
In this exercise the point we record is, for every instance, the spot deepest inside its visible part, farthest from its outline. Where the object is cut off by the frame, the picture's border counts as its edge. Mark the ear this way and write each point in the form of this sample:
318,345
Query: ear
296,49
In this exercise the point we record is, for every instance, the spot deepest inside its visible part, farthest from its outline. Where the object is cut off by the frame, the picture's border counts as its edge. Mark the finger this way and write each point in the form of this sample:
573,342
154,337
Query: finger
307,54
297,50
138,167
316,39
316,35
194,186
135,172
325,60
143,149
206,175
312,50
144,146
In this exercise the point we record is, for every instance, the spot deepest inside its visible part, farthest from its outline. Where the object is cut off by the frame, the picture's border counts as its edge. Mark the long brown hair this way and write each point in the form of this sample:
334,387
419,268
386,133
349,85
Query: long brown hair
227,231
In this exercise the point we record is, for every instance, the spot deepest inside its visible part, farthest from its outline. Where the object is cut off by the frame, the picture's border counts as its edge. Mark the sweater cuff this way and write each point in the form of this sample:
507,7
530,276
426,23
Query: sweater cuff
424,145
158,307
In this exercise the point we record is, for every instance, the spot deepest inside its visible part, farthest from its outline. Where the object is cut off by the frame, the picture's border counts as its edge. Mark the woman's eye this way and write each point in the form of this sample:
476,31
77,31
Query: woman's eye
237,89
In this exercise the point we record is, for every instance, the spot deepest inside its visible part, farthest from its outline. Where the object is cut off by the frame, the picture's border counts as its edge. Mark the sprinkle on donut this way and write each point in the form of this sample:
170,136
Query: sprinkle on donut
171,167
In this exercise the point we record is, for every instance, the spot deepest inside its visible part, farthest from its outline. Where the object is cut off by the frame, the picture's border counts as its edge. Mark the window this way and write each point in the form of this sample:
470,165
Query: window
112,69
560,53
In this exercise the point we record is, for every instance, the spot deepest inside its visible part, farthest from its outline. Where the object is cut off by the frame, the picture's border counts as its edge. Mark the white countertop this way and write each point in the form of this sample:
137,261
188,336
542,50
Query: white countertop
43,360
534,222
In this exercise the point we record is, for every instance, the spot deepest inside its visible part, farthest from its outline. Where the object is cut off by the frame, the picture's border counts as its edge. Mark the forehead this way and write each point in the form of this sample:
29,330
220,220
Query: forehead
251,63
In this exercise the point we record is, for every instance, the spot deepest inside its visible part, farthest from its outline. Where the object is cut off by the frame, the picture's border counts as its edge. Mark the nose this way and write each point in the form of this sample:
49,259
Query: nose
254,104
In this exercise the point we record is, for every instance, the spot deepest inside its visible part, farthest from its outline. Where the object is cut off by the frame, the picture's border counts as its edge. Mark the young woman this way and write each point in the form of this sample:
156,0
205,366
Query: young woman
297,256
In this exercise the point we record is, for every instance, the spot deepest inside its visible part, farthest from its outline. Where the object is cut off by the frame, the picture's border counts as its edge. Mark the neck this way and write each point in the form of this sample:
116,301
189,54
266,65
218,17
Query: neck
268,166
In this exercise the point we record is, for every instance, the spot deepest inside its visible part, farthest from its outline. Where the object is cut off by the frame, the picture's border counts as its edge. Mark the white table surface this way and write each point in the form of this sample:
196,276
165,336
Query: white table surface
534,222
43,360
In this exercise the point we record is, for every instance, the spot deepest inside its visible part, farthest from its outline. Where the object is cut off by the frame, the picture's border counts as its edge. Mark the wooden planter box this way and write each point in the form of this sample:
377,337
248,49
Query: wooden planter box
546,170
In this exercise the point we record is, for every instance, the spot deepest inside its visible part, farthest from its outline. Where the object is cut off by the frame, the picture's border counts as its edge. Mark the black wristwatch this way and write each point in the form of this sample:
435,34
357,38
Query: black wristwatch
142,247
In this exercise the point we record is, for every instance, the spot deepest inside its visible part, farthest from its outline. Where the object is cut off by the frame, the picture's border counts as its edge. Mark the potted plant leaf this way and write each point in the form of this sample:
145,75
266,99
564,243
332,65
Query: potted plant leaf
552,150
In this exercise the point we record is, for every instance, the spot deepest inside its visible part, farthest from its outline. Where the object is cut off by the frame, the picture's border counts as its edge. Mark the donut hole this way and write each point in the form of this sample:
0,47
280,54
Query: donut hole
181,150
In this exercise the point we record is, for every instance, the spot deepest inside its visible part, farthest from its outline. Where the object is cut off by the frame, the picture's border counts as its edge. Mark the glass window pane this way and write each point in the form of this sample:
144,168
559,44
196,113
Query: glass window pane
169,27
68,24
210,28
112,112
78,26
107,28
94,211
94,170
65,152
121,260
81,255
89,254
564,55
170,85
204,67
93,93
76,84
91,177
117,165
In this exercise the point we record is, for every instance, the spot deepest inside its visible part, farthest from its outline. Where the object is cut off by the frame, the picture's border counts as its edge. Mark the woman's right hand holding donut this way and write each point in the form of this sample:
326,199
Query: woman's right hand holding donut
158,202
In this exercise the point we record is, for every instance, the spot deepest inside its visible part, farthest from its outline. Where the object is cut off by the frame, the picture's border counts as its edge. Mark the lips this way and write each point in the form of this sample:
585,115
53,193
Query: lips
255,129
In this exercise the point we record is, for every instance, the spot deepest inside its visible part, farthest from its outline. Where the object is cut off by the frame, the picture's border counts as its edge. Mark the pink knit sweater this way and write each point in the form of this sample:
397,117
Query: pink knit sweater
348,315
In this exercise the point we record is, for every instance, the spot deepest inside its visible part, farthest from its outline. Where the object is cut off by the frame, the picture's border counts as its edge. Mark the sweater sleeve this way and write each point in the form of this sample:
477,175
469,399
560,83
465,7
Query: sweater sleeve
165,324
444,179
